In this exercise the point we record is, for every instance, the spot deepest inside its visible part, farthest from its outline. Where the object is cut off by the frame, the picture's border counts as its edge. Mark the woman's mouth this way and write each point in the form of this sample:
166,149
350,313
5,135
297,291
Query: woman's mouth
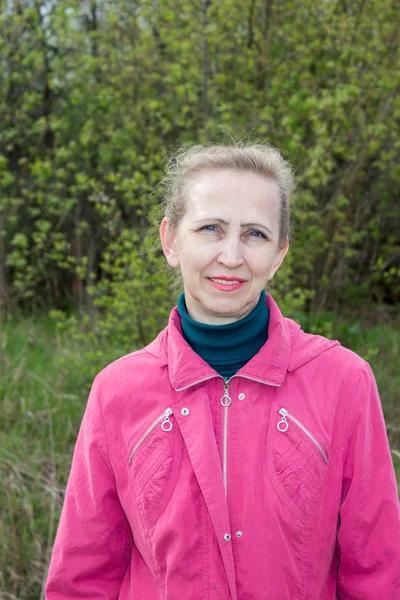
226,284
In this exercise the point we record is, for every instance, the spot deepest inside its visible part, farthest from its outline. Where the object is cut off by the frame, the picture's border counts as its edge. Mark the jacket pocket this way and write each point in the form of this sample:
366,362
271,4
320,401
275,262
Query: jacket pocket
299,462
154,463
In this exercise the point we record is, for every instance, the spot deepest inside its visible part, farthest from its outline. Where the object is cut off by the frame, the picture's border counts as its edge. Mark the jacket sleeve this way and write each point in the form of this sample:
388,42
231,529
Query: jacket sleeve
369,530
93,543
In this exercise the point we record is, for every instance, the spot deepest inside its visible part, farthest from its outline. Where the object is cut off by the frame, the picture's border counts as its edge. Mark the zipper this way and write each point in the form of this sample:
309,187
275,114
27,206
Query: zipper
259,381
166,425
226,401
283,426
186,387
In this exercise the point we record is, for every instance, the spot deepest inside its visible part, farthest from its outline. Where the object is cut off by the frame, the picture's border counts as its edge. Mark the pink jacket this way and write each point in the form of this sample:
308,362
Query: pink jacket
277,485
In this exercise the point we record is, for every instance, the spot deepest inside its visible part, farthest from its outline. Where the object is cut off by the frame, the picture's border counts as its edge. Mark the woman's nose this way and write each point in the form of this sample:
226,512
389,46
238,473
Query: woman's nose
231,252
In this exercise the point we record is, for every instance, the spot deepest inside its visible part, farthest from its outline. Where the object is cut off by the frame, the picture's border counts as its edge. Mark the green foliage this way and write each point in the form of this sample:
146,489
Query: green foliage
130,306
95,95
40,415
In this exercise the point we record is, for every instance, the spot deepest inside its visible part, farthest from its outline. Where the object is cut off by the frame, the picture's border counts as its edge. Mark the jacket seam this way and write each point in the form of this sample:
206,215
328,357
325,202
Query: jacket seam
350,424
106,459
126,357
306,359
150,546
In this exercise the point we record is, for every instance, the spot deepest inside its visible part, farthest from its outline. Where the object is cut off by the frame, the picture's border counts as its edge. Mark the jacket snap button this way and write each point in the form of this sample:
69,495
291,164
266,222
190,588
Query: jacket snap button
185,412
239,533
227,537
242,396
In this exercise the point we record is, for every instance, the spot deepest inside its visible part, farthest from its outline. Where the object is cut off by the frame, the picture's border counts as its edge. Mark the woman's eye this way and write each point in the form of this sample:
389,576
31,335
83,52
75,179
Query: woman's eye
208,228
258,234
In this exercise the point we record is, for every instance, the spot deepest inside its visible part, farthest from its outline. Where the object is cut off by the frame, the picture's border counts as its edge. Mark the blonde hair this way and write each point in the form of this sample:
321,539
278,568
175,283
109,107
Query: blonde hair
261,159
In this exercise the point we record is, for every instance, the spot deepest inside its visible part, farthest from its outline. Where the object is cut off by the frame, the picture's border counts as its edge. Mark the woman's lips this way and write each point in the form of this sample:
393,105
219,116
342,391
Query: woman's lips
226,284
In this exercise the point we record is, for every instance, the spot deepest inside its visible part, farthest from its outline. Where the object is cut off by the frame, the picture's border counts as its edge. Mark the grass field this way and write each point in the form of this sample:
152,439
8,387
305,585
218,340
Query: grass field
41,408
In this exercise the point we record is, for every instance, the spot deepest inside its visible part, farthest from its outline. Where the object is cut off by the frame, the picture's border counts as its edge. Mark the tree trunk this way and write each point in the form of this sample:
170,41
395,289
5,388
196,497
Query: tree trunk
3,271
206,66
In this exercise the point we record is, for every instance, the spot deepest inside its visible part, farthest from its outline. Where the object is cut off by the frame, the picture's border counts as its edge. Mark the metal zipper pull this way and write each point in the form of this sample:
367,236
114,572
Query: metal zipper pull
226,399
166,425
283,425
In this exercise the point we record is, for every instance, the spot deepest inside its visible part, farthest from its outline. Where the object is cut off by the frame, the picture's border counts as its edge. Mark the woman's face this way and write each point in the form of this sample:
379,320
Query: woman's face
226,244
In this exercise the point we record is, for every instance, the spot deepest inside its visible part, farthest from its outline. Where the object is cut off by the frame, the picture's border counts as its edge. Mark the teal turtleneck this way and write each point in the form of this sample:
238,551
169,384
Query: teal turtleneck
226,348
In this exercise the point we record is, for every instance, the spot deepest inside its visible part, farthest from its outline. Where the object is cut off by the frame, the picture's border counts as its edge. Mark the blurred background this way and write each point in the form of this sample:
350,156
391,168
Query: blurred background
94,98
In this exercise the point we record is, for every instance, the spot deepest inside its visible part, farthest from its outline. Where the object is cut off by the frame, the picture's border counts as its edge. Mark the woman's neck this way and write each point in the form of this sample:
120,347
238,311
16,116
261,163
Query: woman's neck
226,348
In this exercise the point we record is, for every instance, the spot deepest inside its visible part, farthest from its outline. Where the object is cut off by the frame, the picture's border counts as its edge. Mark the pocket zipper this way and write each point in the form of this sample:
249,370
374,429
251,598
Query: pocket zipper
166,425
283,426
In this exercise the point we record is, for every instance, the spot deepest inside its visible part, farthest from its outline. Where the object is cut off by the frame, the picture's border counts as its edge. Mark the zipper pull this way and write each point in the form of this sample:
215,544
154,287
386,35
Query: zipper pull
166,425
283,425
226,399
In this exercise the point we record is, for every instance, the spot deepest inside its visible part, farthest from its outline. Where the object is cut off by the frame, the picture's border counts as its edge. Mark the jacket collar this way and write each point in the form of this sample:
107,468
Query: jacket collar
286,349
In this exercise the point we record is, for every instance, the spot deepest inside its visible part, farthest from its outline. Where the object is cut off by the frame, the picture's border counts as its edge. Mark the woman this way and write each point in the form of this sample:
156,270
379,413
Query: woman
235,457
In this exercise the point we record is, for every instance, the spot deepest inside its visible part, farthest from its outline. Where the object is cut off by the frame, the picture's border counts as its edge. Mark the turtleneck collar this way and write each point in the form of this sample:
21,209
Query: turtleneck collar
226,348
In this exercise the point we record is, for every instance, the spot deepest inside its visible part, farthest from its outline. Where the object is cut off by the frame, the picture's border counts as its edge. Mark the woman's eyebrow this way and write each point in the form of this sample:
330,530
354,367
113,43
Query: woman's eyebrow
223,222
211,219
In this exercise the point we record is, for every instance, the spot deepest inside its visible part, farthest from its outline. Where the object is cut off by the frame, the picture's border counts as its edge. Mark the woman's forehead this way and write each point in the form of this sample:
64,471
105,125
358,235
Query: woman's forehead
215,178
228,190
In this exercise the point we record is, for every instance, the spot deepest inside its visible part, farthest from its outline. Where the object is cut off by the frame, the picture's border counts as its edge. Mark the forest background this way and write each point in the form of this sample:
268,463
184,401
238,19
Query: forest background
94,97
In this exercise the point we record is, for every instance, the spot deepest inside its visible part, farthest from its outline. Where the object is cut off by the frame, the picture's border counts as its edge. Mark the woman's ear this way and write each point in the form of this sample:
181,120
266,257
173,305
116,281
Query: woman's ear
280,255
168,241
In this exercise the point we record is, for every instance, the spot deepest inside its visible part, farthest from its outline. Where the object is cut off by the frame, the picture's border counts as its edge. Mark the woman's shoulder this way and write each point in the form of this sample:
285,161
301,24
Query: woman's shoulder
132,369
310,351
322,352
333,373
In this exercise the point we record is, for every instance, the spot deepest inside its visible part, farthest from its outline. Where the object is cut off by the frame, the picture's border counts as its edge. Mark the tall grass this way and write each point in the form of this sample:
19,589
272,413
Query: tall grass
41,408
39,417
